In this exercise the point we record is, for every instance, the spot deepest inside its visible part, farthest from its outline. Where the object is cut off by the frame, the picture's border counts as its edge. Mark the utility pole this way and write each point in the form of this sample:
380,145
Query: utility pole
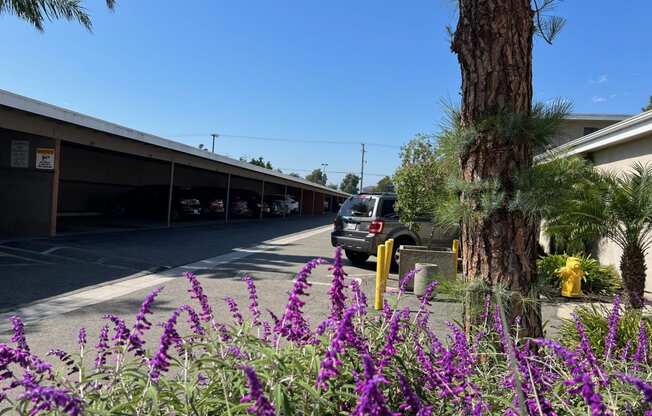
323,169
214,136
362,169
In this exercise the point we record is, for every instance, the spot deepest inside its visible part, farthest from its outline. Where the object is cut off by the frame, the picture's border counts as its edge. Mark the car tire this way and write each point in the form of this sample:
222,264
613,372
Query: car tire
356,257
400,241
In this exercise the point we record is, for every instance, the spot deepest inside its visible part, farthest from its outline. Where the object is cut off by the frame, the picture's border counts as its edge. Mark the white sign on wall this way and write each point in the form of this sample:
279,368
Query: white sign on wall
44,158
19,154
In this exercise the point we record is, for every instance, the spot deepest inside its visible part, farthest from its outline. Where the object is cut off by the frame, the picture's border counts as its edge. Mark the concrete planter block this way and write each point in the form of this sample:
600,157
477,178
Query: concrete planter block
409,256
426,274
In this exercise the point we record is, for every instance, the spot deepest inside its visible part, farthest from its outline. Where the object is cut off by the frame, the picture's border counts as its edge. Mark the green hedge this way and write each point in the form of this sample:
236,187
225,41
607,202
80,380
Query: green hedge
597,280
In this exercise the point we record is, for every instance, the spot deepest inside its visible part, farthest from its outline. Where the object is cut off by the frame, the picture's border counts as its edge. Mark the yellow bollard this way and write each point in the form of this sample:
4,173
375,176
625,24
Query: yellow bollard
389,248
456,250
380,274
571,278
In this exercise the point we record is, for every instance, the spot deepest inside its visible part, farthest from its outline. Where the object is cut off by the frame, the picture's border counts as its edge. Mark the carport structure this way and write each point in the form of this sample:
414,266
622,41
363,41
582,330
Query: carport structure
63,171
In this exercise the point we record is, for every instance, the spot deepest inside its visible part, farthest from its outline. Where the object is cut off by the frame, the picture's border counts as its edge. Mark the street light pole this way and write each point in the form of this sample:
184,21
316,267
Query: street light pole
214,136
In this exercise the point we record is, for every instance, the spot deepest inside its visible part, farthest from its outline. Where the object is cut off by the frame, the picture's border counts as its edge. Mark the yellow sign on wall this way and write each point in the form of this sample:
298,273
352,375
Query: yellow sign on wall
44,158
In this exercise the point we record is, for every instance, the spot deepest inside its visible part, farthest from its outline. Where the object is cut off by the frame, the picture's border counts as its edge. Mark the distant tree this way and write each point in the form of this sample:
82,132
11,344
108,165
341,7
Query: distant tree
350,183
201,146
256,162
648,107
37,12
384,185
294,174
332,186
317,176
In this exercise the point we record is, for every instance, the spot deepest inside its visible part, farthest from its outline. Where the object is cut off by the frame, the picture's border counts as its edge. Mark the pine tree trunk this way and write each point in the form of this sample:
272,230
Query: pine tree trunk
632,269
493,43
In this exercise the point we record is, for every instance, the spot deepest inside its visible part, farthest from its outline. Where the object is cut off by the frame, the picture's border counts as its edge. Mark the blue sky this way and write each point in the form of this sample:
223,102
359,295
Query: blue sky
340,70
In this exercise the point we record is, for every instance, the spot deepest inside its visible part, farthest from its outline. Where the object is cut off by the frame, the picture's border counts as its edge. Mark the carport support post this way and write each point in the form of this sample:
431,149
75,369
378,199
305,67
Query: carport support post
313,202
228,198
169,221
285,200
301,203
54,206
262,199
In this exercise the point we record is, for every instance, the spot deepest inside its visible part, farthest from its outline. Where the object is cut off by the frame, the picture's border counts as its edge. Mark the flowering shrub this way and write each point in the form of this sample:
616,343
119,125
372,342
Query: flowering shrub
354,362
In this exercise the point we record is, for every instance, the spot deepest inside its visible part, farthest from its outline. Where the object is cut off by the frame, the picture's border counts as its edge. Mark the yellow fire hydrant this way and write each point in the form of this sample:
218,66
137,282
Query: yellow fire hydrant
571,278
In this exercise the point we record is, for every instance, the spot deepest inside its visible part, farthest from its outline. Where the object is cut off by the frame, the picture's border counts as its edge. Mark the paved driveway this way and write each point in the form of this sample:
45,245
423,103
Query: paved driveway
35,269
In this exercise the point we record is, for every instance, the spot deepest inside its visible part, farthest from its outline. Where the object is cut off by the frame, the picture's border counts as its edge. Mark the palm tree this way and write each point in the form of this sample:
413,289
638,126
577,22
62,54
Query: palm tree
37,11
619,208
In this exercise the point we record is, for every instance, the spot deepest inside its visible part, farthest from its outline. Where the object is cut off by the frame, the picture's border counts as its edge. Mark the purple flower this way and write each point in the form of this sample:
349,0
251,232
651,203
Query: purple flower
142,324
235,311
593,399
160,363
614,319
121,332
261,406
392,338
102,347
22,358
412,401
193,320
485,309
585,347
624,354
360,297
423,314
644,387
344,336
50,398
292,324
81,337
253,300
371,400
18,336
336,291
197,292
405,279
640,356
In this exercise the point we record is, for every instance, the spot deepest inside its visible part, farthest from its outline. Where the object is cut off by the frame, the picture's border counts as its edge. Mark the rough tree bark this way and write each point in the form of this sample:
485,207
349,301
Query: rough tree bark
493,43
633,270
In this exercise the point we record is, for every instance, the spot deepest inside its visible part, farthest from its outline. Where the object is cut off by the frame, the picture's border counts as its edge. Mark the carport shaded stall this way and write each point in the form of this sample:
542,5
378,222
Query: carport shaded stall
63,171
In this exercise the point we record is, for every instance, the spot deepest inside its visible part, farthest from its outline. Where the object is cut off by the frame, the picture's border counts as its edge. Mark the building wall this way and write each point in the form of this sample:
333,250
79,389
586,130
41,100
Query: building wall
618,159
25,193
574,129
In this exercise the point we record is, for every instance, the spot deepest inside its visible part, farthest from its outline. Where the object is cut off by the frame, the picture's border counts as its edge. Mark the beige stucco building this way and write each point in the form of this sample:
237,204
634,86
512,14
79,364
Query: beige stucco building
615,147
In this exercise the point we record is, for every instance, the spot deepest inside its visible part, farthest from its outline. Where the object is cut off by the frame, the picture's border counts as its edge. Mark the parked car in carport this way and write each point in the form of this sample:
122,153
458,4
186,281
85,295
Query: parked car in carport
152,202
212,201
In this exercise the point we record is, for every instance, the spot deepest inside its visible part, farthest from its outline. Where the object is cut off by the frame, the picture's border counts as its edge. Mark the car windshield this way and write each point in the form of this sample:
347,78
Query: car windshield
358,206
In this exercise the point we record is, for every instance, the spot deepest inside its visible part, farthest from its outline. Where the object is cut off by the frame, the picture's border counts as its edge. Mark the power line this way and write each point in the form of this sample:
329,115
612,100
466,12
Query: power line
334,171
283,139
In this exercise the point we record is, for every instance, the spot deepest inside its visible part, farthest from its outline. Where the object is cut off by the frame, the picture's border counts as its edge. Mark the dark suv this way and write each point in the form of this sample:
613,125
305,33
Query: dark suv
367,220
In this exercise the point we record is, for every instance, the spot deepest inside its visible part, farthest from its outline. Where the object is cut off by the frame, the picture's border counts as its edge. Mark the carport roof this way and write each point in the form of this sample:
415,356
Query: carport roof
40,108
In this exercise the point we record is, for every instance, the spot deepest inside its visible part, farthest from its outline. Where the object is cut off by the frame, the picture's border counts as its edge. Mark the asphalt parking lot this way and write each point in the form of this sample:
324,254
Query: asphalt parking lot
36,269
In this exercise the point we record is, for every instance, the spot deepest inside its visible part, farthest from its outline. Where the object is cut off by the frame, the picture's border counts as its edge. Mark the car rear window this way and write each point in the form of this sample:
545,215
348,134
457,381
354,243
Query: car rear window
387,209
358,206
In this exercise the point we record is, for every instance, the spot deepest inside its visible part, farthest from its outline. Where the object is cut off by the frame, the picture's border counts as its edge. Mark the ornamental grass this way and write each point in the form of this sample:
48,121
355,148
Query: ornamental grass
355,362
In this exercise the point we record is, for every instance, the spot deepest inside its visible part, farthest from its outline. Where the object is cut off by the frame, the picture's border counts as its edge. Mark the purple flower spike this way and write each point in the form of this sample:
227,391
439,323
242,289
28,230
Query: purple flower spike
345,335
336,291
407,277
102,347
121,335
360,297
292,324
644,387
142,324
81,338
253,300
193,320
371,400
610,338
197,292
160,363
641,354
18,336
592,398
412,402
235,311
50,398
261,406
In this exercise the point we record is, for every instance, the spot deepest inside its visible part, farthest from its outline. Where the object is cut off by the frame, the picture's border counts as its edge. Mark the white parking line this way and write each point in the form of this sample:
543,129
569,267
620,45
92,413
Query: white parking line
69,302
